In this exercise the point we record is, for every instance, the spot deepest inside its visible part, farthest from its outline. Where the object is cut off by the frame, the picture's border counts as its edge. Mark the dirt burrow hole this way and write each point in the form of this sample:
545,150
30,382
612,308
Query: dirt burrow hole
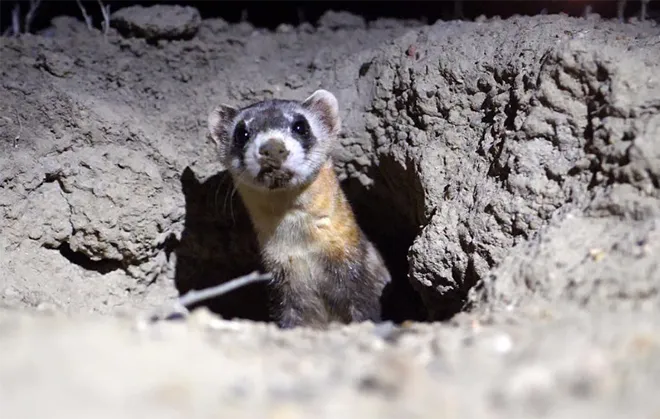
218,244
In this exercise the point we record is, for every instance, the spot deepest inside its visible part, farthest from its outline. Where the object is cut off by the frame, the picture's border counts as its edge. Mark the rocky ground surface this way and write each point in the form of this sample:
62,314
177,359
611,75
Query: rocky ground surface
509,171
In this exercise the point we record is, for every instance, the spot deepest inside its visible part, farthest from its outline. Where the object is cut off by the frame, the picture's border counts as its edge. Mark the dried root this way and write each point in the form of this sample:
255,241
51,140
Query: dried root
105,11
88,18
192,297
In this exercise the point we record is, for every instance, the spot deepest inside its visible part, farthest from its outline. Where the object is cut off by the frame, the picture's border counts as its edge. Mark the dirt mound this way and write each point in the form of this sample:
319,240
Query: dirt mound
482,140
511,167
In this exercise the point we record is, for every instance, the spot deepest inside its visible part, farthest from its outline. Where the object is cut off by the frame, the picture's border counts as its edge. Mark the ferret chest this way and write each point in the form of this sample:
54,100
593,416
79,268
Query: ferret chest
292,243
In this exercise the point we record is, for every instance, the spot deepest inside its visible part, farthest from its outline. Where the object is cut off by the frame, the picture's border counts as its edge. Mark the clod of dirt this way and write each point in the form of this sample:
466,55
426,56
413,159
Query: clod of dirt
482,132
157,22
519,155
461,141
583,260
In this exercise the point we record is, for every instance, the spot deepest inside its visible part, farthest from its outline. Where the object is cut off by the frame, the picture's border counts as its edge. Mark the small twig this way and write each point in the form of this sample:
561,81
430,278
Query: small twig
11,28
620,9
15,19
34,5
88,19
105,10
194,296
642,12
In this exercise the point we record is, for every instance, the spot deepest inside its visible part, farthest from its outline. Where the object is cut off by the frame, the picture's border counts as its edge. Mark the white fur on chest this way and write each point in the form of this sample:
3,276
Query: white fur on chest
292,247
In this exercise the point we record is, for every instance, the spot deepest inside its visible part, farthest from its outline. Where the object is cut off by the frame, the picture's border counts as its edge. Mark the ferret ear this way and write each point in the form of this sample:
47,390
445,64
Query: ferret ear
219,121
325,105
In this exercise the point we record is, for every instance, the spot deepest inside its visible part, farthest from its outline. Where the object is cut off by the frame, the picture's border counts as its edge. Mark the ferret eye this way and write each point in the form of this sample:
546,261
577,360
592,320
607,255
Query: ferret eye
241,134
300,127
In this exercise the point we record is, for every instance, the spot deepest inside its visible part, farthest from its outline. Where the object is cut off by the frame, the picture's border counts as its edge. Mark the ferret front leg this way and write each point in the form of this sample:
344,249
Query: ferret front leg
290,318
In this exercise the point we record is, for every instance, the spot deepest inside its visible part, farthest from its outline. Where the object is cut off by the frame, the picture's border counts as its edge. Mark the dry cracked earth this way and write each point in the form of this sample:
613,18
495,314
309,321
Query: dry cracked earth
509,171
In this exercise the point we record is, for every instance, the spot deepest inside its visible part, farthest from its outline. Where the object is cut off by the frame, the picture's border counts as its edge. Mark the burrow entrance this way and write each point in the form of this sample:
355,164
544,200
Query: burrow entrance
218,244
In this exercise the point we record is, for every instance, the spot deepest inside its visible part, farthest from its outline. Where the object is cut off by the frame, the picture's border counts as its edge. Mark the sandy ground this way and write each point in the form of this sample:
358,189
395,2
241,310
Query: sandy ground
509,171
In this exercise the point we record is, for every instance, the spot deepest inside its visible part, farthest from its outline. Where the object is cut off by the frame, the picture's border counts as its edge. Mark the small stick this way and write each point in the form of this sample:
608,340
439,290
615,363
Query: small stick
15,19
194,296
34,5
88,19
620,9
642,12
105,10
181,305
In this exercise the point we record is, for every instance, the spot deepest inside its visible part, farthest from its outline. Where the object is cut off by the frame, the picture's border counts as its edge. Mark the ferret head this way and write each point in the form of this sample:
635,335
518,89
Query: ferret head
276,144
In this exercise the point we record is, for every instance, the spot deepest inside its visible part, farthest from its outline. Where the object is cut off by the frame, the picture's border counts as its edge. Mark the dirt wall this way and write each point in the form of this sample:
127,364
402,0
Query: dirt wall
505,168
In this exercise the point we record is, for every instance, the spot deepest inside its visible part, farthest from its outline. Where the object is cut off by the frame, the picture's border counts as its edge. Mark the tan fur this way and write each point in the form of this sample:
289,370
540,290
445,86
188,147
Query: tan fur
338,232
316,215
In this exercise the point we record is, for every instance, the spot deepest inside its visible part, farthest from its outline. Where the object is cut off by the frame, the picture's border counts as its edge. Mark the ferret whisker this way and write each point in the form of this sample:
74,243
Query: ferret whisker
231,193
231,203
217,191
227,193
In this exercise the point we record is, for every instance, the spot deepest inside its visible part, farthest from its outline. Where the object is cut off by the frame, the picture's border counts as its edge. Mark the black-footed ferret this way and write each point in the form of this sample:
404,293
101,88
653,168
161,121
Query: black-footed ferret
278,152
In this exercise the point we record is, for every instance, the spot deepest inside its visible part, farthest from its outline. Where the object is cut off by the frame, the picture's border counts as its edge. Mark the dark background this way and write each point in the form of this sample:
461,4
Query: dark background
271,13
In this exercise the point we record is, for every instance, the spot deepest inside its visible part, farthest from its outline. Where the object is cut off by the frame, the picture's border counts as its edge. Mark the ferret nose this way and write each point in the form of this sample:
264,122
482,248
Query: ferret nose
274,151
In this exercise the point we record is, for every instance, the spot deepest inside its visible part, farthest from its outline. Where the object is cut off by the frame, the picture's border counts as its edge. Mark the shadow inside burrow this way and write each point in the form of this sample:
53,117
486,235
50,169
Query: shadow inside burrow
384,212
218,244
399,186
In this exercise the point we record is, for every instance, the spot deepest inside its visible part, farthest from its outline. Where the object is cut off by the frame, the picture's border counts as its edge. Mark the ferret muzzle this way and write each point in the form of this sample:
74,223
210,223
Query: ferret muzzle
272,155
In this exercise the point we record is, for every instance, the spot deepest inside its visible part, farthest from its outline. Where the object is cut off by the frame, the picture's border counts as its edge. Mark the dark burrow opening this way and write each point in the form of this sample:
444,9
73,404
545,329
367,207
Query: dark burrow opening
102,266
393,234
218,244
